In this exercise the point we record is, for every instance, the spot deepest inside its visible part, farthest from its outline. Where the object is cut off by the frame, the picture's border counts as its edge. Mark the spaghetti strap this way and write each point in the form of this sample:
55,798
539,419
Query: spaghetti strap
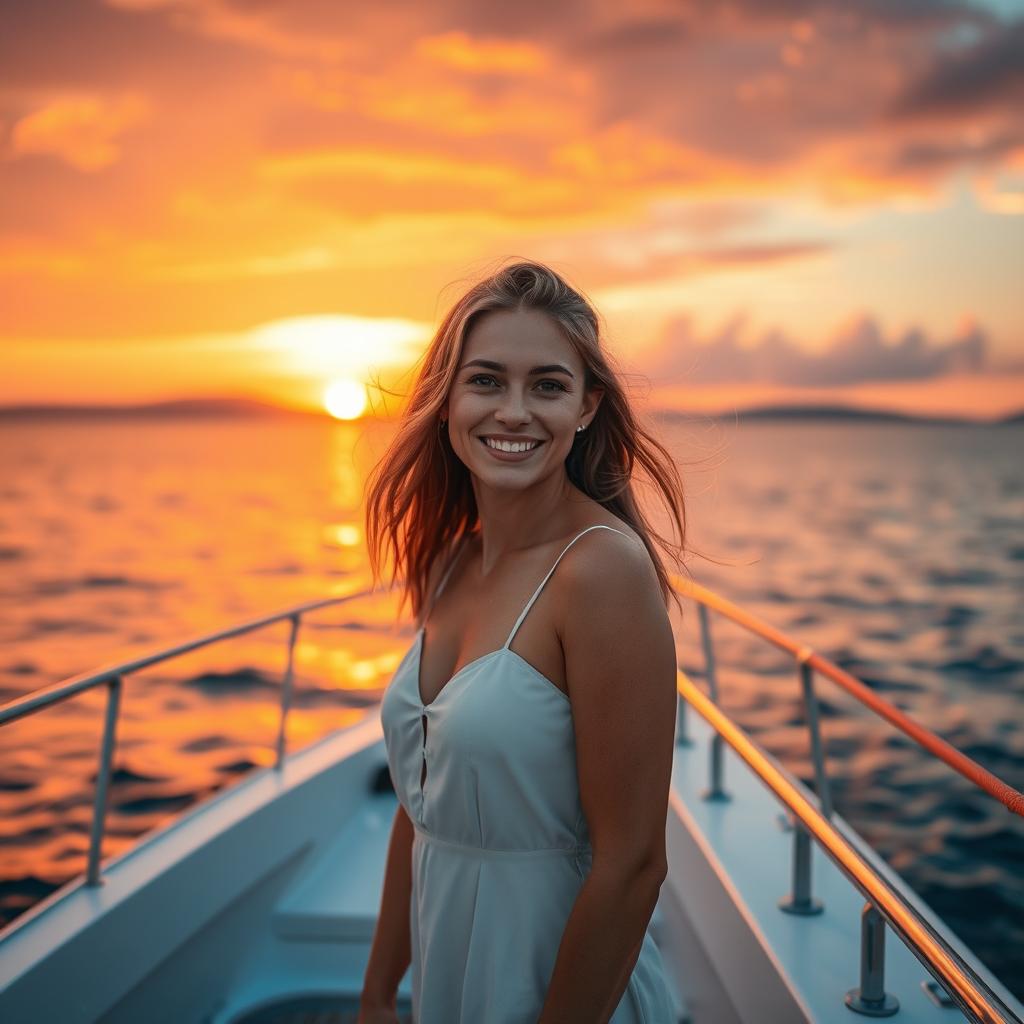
536,593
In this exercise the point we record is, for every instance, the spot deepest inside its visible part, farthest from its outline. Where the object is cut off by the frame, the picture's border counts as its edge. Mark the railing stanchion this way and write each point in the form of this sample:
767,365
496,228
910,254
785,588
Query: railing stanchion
800,901
871,999
682,739
99,814
821,784
286,691
716,791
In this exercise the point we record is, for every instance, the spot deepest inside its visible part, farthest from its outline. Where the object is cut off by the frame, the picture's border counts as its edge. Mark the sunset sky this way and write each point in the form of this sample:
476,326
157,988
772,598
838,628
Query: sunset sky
766,199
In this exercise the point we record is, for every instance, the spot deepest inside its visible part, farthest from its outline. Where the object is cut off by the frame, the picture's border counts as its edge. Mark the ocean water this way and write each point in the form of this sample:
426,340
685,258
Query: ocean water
896,550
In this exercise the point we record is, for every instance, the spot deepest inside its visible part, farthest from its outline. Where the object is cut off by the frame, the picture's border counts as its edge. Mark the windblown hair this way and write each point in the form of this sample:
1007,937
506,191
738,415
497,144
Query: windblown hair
419,498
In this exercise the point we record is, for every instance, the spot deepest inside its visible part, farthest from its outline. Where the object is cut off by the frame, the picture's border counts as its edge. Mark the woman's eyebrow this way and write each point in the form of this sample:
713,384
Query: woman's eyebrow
501,367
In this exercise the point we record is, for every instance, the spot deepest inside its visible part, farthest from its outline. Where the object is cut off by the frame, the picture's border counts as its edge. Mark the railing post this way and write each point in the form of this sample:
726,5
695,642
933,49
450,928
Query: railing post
821,783
682,739
286,691
800,901
871,999
99,813
716,791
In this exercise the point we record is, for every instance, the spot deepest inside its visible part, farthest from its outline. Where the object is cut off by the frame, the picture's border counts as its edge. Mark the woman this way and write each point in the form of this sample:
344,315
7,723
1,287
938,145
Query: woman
528,850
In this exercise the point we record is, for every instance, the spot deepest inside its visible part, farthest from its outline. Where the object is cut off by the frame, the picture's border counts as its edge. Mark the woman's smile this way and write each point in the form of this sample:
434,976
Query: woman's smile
509,456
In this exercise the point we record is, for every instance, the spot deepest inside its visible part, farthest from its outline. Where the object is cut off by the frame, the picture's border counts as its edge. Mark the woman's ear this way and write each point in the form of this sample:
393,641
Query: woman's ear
591,400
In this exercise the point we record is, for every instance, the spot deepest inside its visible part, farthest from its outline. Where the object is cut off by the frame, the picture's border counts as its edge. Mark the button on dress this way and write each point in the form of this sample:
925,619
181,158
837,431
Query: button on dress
501,847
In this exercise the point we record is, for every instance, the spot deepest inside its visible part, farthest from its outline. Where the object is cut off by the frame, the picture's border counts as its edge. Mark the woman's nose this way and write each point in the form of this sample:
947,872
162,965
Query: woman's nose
512,407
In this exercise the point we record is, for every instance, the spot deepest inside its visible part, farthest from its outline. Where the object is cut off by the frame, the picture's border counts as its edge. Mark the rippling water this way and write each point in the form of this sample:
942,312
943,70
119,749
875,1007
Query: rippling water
895,550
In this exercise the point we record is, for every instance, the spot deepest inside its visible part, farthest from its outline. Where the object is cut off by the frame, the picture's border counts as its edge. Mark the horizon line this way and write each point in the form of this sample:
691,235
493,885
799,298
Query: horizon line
235,405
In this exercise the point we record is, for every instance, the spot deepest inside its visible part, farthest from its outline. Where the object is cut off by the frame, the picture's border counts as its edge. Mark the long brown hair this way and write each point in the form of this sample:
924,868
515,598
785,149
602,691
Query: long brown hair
419,499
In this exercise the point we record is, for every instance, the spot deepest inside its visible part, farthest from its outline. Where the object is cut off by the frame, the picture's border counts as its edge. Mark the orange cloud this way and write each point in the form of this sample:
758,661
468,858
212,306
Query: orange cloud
81,130
258,28
464,53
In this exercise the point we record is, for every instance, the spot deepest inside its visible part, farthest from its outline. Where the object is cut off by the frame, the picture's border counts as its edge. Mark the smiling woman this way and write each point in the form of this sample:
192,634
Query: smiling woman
528,850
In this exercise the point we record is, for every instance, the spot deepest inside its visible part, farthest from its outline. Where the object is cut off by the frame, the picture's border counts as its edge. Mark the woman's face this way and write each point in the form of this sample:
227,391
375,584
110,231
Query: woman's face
518,379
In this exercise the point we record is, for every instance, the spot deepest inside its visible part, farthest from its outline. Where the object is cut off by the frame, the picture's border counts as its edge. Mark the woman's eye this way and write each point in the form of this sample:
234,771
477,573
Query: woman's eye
487,376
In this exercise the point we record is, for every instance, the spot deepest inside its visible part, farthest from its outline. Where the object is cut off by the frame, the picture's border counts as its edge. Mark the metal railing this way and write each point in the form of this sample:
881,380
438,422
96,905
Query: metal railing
113,677
814,817
885,903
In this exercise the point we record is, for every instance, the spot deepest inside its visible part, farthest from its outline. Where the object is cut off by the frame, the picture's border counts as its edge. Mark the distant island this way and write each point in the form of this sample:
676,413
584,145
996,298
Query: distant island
226,408
238,408
837,413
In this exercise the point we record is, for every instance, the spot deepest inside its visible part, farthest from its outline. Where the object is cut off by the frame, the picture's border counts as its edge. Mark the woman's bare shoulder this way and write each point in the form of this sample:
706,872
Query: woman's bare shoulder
606,557
605,518
611,575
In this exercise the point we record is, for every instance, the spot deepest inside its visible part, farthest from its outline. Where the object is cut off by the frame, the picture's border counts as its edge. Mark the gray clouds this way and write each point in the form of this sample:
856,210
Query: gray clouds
856,354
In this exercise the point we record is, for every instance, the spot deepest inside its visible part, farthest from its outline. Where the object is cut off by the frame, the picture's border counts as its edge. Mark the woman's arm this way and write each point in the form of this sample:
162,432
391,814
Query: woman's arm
621,671
390,952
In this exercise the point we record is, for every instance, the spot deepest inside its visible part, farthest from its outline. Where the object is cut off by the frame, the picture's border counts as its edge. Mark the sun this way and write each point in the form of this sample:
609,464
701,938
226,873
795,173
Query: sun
345,399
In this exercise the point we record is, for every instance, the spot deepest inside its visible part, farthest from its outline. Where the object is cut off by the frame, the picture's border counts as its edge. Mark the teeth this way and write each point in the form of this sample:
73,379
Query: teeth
509,446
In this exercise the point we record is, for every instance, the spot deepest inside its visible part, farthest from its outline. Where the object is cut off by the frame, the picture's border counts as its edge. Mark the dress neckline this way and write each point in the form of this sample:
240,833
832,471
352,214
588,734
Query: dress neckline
418,660
507,645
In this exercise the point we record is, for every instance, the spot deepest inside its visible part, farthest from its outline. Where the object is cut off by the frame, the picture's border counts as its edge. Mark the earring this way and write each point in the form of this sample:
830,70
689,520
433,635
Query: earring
582,427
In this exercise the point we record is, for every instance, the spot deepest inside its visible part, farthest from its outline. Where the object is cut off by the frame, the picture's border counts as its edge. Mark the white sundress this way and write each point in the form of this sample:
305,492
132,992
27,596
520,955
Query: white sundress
501,846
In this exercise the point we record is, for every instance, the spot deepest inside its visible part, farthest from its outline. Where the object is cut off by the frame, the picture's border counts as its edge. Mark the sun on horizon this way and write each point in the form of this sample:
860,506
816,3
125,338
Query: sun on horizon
345,399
